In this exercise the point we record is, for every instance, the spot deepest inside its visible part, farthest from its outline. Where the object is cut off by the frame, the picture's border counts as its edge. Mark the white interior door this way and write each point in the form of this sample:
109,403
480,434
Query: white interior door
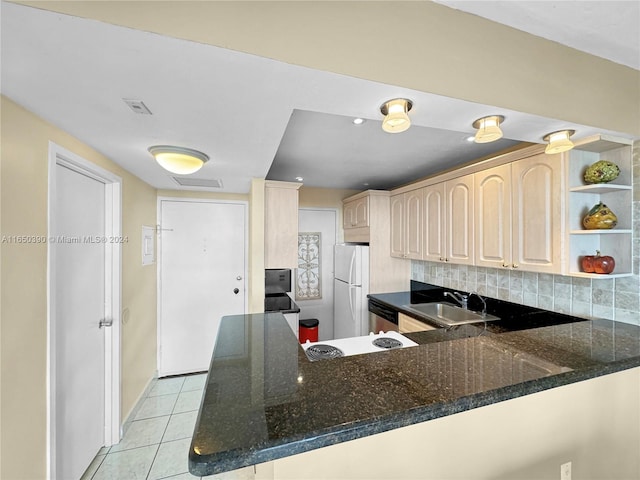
79,308
202,278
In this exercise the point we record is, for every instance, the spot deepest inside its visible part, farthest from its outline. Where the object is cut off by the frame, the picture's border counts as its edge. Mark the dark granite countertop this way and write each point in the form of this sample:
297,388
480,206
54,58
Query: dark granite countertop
265,400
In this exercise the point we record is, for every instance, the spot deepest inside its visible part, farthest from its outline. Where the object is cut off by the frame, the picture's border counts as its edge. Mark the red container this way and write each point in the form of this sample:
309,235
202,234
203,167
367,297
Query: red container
308,330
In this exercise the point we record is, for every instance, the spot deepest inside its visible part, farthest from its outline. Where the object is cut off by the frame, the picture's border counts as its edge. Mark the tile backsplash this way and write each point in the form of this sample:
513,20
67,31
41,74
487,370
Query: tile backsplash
615,299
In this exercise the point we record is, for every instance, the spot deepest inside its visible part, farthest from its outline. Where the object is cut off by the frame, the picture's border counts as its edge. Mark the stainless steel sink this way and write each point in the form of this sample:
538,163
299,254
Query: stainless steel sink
447,314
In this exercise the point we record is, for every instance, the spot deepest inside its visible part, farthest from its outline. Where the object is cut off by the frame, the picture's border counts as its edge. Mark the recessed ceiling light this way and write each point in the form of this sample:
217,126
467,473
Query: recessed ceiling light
470,139
299,179
396,118
488,128
358,121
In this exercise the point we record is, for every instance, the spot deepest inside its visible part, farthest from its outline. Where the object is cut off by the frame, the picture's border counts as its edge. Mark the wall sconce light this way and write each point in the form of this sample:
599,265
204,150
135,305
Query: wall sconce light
558,141
395,113
182,161
488,129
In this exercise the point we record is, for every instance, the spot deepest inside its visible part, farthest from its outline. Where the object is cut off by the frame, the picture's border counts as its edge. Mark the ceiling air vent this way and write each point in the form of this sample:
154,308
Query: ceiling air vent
198,182
137,106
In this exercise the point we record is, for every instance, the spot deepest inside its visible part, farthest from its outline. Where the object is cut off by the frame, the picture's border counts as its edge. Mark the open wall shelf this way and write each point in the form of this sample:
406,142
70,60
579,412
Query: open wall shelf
616,242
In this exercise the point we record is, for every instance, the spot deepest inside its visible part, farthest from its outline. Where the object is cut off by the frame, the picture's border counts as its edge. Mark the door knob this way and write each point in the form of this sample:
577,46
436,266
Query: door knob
236,290
238,277
105,322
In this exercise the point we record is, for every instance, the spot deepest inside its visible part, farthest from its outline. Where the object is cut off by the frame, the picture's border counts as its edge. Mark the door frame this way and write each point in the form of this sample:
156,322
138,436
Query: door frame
245,204
113,292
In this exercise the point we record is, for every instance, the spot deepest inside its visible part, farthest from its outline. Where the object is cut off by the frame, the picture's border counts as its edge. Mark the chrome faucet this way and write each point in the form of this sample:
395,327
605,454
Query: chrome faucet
484,304
458,297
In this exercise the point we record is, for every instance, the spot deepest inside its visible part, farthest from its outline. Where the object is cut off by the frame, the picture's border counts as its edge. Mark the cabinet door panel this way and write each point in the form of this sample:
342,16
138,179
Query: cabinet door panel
493,217
407,324
414,218
434,222
349,215
397,226
538,206
281,225
362,212
459,220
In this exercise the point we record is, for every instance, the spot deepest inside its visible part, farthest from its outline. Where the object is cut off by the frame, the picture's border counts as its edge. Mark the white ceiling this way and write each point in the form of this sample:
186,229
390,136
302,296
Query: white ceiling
245,112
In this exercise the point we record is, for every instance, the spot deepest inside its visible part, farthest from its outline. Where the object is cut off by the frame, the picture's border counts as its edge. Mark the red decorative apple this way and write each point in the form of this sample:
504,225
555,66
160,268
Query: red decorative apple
587,264
598,263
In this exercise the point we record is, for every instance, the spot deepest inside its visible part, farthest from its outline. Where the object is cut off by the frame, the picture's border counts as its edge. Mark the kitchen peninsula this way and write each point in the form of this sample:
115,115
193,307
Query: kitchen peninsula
549,379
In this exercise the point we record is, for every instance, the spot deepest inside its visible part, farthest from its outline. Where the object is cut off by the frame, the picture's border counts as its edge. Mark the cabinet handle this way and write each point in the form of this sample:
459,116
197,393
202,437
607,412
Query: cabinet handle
446,259
504,265
442,259
515,265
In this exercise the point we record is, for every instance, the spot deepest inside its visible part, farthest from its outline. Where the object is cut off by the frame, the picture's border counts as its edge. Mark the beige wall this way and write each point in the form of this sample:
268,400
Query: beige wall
207,195
521,439
323,197
23,275
438,50
313,197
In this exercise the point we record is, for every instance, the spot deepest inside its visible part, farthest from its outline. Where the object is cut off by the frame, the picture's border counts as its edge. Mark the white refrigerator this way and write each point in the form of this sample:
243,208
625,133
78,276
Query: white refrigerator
351,287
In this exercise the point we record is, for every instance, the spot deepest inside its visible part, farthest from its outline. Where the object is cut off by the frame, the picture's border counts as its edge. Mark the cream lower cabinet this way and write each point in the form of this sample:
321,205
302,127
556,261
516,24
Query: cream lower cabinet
293,321
449,221
407,324
519,216
407,221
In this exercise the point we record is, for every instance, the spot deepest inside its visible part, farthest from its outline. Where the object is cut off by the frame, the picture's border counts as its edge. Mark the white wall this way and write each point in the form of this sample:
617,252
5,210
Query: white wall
324,221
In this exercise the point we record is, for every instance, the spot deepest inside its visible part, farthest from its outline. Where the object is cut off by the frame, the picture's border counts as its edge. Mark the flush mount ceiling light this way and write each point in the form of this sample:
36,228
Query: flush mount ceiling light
558,141
182,161
395,112
488,129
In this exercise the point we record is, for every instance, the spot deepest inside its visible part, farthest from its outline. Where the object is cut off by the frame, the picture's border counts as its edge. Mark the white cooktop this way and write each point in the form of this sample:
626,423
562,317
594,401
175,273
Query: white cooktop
364,344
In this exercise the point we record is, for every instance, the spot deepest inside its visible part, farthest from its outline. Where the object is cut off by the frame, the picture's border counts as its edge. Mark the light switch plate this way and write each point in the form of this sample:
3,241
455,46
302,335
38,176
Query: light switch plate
148,245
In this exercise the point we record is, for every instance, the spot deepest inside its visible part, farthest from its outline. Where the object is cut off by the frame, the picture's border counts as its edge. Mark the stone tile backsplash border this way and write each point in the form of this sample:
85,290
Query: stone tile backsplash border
615,299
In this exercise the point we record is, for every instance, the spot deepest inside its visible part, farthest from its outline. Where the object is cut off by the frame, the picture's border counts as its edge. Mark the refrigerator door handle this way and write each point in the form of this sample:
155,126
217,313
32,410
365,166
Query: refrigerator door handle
352,265
351,302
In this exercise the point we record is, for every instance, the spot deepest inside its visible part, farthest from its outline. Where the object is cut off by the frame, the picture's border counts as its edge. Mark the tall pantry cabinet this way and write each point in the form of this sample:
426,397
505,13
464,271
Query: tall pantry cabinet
281,224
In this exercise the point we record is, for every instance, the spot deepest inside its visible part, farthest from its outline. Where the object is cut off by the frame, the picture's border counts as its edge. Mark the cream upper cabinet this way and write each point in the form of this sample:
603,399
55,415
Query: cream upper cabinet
538,207
407,220
448,221
356,213
493,217
459,221
519,215
386,274
434,228
281,224
397,225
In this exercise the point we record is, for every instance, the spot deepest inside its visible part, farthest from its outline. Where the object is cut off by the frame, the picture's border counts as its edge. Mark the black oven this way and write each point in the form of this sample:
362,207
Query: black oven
382,317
